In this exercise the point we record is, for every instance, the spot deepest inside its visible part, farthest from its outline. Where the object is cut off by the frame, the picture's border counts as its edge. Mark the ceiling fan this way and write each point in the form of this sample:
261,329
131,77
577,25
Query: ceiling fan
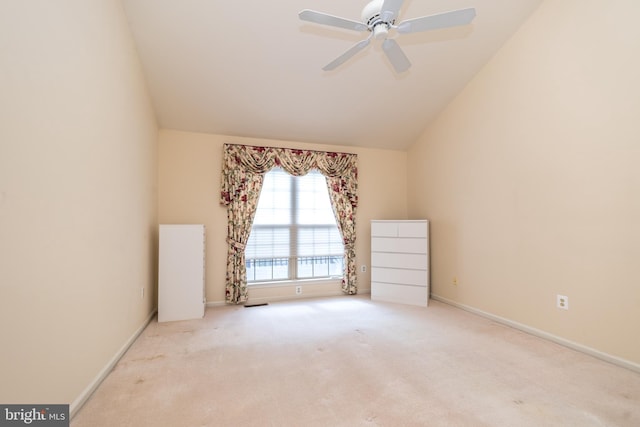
378,17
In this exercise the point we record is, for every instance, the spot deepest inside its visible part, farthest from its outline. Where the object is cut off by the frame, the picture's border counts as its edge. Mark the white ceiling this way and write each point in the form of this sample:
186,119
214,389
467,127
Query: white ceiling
252,68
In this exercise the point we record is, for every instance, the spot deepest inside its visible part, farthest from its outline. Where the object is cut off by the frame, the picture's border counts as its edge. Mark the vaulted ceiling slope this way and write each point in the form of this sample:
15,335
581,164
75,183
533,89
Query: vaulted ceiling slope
254,69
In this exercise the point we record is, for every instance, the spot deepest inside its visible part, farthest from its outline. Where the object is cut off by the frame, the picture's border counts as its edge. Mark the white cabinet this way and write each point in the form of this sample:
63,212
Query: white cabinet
181,272
400,261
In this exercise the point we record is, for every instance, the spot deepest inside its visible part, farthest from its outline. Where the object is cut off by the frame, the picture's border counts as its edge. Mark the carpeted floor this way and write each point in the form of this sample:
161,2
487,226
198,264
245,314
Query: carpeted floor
348,361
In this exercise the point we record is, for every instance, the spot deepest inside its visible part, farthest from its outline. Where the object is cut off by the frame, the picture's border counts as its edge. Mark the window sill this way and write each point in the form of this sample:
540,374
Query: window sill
300,282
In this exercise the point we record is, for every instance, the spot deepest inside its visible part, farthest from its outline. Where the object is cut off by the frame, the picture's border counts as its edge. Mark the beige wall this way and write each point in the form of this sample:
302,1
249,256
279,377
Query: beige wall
77,196
189,187
531,179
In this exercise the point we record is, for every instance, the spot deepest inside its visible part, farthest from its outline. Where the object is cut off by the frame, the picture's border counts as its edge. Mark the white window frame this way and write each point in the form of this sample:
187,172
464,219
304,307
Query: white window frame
294,229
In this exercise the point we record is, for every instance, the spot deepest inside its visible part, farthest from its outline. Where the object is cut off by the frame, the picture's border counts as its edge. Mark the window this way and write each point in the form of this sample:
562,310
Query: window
294,234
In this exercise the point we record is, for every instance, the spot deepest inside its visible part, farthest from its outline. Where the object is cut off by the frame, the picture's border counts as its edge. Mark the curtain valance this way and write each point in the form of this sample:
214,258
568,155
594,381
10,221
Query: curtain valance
241,159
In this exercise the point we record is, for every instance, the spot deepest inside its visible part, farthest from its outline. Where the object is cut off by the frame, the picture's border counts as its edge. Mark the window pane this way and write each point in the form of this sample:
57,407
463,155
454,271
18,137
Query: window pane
305,267
267,269
268,242
336,265
281,268
319,266
319,241
314,206
274,204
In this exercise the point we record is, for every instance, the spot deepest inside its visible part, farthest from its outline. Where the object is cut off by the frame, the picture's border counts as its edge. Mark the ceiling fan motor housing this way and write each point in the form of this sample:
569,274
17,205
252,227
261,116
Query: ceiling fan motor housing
371,12
371,17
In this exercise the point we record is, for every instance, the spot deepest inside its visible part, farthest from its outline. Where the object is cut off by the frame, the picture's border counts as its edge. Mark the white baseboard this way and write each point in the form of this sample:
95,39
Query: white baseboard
86,394
545,335
215,303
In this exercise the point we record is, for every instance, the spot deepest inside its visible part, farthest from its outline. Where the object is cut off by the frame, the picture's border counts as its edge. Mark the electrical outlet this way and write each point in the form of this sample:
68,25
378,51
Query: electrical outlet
363,268
562,302
298,290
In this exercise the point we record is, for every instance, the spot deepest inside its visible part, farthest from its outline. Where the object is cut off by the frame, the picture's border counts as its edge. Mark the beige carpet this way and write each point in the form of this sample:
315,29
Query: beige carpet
348,361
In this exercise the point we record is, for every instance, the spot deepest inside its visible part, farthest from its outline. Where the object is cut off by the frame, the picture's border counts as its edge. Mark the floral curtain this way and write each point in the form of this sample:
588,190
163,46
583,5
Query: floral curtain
243,171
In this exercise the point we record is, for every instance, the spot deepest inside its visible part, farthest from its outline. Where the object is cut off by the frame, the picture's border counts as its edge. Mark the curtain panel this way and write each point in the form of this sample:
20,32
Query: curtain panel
243,172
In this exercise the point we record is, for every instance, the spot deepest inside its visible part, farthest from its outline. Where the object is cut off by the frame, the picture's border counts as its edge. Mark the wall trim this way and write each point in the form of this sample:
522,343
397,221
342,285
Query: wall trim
544,335
215,304
77,404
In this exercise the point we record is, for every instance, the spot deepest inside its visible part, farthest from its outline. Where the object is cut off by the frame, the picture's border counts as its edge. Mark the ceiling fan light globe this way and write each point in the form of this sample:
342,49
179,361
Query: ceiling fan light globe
380,31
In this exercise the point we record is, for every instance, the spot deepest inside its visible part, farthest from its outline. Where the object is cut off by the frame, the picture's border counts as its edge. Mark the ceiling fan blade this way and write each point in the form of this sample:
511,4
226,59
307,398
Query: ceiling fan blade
390,9
334,21
396,56
348,54
436,22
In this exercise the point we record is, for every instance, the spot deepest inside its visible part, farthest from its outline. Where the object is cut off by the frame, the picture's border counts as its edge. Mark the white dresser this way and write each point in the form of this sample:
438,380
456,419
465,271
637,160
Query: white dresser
181,272
400,261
